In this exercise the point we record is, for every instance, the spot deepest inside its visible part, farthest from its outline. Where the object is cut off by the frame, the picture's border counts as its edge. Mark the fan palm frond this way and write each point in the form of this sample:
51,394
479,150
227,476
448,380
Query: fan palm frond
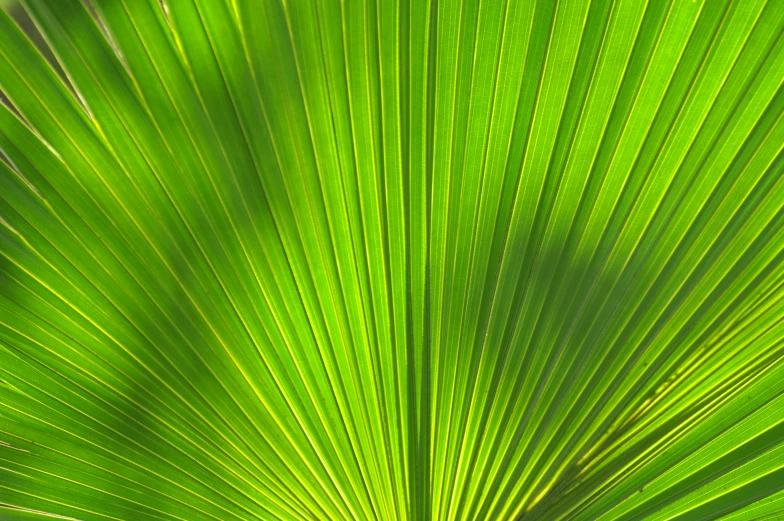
392,260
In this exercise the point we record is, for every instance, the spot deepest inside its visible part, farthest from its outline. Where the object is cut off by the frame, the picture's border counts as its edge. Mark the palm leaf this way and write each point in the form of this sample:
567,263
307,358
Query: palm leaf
459,260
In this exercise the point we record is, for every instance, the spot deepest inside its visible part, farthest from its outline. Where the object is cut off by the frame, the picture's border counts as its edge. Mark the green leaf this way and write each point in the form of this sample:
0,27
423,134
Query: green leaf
399,260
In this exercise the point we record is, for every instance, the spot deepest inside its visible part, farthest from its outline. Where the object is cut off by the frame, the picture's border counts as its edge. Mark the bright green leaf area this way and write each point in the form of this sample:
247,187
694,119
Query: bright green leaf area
393,260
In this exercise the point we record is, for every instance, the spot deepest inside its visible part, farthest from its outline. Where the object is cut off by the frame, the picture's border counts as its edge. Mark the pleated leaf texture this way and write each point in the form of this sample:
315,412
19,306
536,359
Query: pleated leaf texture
392,260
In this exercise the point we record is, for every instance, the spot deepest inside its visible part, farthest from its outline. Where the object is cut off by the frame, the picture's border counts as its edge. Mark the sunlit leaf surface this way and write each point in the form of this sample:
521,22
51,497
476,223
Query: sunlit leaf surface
392,260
